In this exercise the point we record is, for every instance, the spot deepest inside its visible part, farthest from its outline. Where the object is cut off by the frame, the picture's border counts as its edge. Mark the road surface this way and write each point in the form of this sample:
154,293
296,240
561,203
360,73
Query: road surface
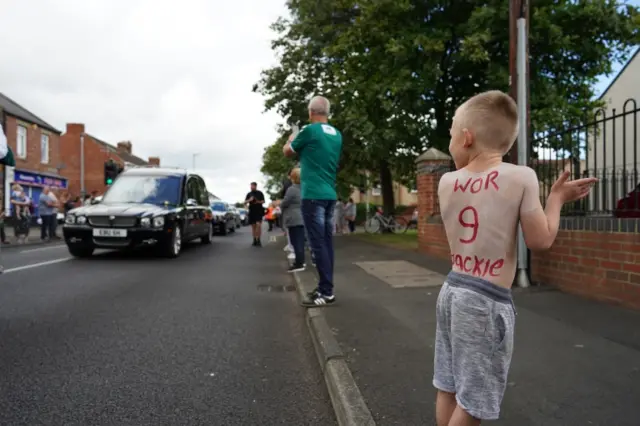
136,340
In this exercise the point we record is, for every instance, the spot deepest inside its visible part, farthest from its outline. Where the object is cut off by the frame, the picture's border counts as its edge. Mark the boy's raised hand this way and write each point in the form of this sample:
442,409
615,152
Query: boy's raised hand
572,190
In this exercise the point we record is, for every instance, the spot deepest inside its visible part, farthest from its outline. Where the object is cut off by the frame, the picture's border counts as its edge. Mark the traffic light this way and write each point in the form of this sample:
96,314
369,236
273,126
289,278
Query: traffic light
111,171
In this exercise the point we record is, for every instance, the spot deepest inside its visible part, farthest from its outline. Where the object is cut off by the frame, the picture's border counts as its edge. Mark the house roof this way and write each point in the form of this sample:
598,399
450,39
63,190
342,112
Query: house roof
619,73
125,156
11,107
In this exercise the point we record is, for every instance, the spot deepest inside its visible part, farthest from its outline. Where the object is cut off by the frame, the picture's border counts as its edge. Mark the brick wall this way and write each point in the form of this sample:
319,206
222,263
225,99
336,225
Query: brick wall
95,155
603,265
431,236
595,258
33,158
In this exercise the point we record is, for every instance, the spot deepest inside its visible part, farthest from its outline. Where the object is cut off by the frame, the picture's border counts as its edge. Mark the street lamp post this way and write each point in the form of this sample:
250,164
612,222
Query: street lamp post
520,14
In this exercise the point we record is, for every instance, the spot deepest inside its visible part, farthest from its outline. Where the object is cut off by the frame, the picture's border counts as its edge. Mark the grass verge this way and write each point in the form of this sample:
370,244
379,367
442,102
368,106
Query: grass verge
406,241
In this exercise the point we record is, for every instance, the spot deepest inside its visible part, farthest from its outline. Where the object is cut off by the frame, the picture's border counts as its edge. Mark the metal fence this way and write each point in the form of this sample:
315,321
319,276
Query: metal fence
605,146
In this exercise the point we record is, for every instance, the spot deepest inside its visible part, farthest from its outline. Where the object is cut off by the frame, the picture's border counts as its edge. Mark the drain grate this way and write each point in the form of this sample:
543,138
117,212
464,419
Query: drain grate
271,288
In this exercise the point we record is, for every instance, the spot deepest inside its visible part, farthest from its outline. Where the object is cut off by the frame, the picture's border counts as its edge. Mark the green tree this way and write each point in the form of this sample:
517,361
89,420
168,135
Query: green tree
275,166
397,69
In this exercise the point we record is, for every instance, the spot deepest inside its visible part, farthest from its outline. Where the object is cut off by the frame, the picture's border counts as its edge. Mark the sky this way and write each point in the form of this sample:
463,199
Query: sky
174,78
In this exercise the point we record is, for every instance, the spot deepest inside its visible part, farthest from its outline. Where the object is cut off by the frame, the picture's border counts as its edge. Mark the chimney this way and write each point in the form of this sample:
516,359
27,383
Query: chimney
154,161
124,147
75,128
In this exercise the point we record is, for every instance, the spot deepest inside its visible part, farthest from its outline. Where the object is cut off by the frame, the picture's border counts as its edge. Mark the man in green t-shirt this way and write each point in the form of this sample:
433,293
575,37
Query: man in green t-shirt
318,146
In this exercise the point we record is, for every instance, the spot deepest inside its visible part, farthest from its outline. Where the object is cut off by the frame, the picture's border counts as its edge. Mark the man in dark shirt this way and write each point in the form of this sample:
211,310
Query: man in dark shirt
255,199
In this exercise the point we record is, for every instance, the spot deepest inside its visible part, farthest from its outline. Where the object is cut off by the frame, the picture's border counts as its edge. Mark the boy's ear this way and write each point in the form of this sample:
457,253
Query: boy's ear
468,138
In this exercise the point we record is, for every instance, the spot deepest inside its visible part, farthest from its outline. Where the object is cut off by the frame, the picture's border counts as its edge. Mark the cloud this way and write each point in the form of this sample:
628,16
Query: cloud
173,78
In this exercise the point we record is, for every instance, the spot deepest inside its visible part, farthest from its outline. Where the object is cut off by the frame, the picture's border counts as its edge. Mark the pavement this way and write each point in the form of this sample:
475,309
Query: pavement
215,337
576,362
33,238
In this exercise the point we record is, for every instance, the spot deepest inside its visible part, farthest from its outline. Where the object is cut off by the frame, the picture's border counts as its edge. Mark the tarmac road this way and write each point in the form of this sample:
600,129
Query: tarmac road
137,340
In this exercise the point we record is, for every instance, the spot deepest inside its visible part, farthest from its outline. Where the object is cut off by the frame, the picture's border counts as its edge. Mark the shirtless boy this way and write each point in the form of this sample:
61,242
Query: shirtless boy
482,203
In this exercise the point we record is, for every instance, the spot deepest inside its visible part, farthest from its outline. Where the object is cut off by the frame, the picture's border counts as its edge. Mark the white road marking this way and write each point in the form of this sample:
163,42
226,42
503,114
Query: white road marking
43,248
37,265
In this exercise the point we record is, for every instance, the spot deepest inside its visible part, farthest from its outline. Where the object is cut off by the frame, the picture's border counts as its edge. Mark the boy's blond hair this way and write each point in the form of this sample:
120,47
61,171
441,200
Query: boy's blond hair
492,118
295,175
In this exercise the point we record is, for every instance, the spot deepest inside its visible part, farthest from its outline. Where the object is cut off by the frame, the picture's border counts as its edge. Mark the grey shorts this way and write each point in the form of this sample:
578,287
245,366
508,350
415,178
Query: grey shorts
474,343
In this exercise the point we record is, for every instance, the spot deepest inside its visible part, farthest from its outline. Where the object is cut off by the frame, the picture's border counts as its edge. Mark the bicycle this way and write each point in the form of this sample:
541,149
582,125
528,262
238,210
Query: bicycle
380,223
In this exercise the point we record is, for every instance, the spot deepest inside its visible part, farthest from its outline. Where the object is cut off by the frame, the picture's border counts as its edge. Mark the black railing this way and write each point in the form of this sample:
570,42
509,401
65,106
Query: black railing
604,146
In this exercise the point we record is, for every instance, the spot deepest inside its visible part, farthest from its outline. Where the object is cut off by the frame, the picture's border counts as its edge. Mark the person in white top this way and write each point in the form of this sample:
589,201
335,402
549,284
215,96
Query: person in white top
54,224
482,203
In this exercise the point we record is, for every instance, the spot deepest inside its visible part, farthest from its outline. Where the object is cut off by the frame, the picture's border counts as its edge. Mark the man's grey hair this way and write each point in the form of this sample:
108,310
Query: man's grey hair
319,105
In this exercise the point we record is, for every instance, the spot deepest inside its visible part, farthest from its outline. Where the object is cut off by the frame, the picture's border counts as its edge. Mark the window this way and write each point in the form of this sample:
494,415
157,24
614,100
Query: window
193,190
44,149
133,189
204,194
376,191
217,206
21,142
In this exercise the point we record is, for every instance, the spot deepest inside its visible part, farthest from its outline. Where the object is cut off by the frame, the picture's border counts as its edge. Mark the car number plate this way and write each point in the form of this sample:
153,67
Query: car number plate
110,233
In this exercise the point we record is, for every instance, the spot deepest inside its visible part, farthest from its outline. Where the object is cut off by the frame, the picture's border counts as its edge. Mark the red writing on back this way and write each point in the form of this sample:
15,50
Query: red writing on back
478,184
474,224
477,266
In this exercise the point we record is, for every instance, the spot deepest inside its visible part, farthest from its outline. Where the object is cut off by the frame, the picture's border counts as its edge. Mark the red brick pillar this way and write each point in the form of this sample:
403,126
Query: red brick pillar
431,165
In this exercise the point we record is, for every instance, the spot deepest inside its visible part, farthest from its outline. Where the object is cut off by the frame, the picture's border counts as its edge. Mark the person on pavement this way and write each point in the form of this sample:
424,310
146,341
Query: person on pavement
318,146
56,208
292,220
46,206
3,235
350,215
268,216
482,203
277,214
285,185
20,205
255,200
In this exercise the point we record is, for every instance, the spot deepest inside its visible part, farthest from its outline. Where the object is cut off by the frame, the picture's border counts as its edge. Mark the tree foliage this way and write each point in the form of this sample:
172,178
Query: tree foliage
395,70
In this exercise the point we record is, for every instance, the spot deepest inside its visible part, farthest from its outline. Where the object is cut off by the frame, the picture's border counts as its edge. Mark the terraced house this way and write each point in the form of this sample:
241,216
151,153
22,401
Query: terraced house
86,154
36,147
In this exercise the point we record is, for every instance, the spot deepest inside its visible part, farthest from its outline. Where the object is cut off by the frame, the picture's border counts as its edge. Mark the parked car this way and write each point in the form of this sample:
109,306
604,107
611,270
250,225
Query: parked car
151,207
244,217
224,221
236,216
629,206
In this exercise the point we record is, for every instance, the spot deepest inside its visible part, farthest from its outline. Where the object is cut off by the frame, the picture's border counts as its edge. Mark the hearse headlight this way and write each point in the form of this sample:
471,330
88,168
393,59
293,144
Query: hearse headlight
70,219
145,222
81,220
158,222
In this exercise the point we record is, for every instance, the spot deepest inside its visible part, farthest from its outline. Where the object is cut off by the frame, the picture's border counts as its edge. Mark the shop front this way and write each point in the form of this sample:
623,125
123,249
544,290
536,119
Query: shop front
32,182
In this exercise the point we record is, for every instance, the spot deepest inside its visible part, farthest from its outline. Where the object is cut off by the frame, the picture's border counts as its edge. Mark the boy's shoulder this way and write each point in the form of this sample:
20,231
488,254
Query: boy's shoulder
462,180
503,168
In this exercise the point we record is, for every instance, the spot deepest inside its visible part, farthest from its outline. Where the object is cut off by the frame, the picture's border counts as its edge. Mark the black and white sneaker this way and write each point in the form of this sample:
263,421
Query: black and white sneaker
319,300
296,268
313,293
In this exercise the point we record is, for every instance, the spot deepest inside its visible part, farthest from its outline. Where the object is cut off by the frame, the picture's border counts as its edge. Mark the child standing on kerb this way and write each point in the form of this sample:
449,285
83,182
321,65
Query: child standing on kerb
482,203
